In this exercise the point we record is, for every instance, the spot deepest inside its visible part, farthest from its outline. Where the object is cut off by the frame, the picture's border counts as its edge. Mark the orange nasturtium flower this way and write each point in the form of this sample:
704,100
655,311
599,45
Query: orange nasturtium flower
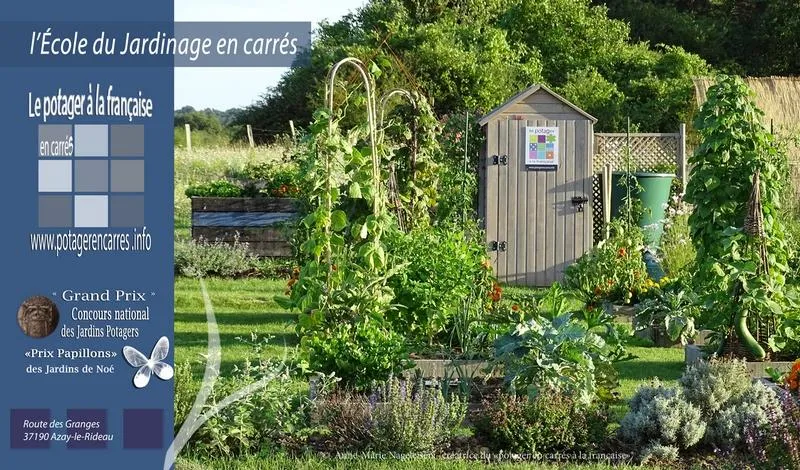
515,308
793,379
621,252
496,293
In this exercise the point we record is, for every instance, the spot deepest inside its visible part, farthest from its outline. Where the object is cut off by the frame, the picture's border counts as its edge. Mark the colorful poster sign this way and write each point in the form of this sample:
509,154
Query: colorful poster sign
541,145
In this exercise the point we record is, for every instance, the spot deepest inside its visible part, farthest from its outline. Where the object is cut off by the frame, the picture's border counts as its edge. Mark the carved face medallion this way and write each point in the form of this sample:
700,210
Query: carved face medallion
38,316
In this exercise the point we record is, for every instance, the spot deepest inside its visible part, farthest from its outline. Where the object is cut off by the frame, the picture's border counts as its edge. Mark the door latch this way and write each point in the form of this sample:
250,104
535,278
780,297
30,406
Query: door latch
579,201
502,246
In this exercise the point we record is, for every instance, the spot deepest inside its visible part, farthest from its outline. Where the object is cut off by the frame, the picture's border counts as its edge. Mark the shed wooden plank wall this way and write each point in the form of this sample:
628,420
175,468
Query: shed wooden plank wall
532,210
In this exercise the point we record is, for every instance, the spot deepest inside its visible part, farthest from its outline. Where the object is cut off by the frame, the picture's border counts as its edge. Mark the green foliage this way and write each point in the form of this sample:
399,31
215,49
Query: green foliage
717,403
443,267
413,128
729,400
206,258
268,179
675,310
547,423
757,407
410,417
256,422
198,120
777,443
712,385
200,139
207,127
341,292
474,55
343,420
219,188
743,37
676,251
563,355
359,352
661,416
460,140
185,392
735,145
613,271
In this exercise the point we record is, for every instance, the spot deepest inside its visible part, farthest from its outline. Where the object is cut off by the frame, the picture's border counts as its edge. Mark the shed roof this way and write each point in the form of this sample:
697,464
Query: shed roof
526,93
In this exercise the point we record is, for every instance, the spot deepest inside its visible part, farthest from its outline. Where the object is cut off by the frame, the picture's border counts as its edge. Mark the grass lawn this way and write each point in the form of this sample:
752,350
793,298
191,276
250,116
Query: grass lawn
277,462
241,307
247,306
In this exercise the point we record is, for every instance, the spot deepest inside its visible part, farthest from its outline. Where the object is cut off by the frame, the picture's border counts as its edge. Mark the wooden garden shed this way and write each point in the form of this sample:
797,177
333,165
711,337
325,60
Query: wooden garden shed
535,188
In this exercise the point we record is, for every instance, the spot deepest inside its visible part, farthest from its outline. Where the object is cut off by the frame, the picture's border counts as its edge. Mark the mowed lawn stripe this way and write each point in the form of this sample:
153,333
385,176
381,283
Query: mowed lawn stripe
242,307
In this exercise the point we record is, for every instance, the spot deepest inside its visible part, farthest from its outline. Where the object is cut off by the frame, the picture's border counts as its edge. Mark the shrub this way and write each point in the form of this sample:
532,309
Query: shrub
676,251
344,420
777,443
269,179
674,309
204,258
661,417
185,392
754,408
410,417
711,385
745,285
545,423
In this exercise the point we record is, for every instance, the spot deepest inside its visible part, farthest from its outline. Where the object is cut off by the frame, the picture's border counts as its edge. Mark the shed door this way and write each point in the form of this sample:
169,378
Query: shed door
533,229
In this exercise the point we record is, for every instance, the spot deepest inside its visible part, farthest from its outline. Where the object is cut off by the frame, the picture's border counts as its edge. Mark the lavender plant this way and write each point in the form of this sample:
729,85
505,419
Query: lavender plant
777,443
410,417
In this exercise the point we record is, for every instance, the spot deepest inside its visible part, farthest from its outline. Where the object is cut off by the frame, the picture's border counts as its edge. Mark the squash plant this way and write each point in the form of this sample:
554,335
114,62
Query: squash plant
734,146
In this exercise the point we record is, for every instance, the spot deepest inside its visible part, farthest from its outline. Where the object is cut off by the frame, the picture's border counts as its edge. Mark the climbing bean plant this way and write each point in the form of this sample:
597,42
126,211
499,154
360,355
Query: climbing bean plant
341,291
412,144
734,146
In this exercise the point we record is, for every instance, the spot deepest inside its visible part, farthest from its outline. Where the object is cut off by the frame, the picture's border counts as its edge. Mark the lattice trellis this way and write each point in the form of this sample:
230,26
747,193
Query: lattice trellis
648,152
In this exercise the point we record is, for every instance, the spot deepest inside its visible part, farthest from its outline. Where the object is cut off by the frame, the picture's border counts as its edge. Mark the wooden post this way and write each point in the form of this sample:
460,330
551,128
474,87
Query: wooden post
683,173
188,130
250,136
291,126
607,179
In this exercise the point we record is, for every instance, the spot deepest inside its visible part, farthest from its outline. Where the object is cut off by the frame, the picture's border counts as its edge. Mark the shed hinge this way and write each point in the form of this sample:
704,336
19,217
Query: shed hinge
498,246
499,160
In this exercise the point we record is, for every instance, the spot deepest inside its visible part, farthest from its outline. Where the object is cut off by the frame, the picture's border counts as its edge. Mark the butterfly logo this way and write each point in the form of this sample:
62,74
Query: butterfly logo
149,366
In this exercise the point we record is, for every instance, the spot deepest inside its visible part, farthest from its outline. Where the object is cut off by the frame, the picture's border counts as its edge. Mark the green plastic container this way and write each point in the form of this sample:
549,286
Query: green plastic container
654,194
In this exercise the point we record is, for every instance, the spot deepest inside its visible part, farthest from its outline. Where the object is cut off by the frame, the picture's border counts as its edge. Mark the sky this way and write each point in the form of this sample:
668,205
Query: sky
224,87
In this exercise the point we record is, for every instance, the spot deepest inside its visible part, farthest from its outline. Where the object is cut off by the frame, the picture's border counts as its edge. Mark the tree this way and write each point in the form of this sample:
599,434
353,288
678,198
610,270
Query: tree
474,54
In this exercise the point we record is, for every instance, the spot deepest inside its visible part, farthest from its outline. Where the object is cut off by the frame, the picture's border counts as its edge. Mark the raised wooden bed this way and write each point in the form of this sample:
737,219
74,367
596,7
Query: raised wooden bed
256,221
693,353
